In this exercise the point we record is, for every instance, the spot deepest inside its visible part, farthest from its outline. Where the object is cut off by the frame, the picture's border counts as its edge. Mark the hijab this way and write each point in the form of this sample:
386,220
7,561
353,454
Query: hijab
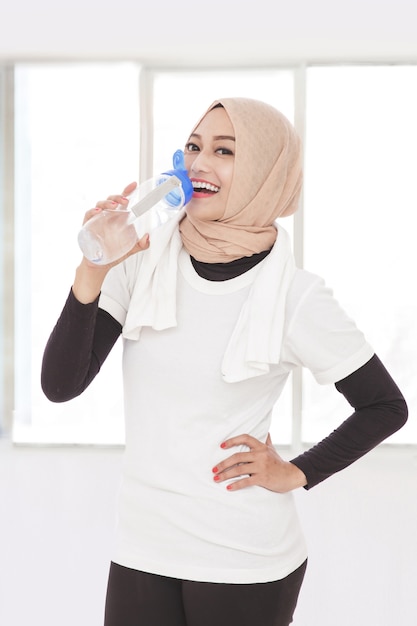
266,184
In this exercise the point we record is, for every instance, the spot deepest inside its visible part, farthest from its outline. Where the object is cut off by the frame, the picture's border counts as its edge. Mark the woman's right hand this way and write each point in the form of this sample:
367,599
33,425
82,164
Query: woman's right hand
90,276
113,202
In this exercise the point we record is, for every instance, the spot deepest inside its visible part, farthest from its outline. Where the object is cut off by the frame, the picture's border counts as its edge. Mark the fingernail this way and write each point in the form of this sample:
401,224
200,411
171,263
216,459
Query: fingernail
215,470
223,445
229,487
216,478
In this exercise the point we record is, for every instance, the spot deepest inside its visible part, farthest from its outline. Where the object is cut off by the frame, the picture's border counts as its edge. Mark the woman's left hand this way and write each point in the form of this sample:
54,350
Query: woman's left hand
261,466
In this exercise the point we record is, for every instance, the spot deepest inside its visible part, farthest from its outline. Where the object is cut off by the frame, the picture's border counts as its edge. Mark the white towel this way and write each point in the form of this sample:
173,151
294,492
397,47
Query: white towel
256,341
153,299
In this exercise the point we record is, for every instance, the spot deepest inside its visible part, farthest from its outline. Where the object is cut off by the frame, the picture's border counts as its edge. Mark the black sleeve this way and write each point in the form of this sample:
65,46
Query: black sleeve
380,410
77,347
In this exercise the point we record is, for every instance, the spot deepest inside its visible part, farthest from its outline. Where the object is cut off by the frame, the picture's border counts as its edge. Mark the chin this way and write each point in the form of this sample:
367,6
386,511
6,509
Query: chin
204,212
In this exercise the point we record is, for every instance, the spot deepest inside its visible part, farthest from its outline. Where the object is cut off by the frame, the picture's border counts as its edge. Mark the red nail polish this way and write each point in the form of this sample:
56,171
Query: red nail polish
223,445
229,487
215,470
216,478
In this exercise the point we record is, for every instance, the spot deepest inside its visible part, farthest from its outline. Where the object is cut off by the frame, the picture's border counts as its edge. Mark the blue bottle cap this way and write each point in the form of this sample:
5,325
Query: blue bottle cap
180,172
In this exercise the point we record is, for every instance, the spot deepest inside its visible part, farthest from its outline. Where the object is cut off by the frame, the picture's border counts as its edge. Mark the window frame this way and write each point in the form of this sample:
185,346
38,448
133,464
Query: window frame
146,80
7,306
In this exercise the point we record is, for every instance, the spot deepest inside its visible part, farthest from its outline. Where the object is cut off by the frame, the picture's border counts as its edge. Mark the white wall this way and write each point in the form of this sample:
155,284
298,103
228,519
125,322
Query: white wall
56,522
58,515
213,32
57,505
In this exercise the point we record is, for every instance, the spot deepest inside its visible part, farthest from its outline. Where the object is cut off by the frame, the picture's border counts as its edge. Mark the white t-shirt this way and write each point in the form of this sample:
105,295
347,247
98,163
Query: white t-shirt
174,520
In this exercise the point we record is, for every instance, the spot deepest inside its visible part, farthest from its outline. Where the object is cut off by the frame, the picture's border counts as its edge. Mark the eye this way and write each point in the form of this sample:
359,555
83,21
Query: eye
191,147
224,151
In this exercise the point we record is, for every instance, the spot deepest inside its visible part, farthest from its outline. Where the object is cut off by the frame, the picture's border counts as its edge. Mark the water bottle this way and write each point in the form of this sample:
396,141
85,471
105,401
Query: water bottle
108,236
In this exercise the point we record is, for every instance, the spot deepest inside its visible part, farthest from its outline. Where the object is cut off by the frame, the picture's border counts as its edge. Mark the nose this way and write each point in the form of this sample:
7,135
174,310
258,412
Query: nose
200,163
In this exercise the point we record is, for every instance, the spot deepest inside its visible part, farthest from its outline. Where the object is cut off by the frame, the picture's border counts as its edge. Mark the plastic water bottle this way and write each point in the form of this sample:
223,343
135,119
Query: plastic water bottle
108,236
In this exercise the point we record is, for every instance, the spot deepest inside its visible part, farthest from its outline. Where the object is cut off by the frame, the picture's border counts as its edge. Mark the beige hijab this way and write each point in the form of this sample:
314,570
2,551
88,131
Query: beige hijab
266,184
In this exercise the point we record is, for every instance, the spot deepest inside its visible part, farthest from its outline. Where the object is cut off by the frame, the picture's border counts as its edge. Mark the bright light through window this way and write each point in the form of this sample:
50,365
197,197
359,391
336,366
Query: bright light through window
77,141
359,219
181,98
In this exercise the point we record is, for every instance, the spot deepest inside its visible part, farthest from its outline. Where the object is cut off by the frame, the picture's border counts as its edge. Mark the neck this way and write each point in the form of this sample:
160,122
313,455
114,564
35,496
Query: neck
226,271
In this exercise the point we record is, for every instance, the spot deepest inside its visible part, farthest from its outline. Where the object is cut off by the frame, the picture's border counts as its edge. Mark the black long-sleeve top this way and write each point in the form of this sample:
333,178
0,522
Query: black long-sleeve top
85,334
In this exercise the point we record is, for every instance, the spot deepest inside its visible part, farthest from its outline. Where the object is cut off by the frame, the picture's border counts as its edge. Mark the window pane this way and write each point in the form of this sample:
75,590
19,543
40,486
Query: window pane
77,141
174,117
360,203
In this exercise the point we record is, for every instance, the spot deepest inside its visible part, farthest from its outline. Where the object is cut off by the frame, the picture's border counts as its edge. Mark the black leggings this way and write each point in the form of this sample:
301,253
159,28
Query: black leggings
139,599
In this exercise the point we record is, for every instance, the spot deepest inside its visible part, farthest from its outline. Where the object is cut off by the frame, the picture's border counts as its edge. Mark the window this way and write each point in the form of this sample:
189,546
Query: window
71,142
75,142
6,250
359,214
77,138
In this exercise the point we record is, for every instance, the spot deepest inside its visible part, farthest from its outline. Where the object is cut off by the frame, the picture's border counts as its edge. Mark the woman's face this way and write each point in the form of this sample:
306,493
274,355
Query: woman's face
209,159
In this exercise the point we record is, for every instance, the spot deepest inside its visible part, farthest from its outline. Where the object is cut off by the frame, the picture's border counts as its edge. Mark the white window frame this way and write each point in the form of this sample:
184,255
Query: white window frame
7,248
147,75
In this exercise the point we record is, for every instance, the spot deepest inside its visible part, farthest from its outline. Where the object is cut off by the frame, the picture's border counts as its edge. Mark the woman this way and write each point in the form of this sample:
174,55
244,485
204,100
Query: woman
215,316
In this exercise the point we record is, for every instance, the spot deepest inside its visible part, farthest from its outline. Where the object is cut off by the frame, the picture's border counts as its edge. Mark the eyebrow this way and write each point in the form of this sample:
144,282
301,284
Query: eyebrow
216,137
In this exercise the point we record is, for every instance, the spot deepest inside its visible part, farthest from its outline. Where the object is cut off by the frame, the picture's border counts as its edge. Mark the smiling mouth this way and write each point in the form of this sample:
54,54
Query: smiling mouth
199,185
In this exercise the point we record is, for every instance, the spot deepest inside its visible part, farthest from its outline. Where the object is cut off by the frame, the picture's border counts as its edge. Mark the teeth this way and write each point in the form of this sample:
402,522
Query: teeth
208,186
